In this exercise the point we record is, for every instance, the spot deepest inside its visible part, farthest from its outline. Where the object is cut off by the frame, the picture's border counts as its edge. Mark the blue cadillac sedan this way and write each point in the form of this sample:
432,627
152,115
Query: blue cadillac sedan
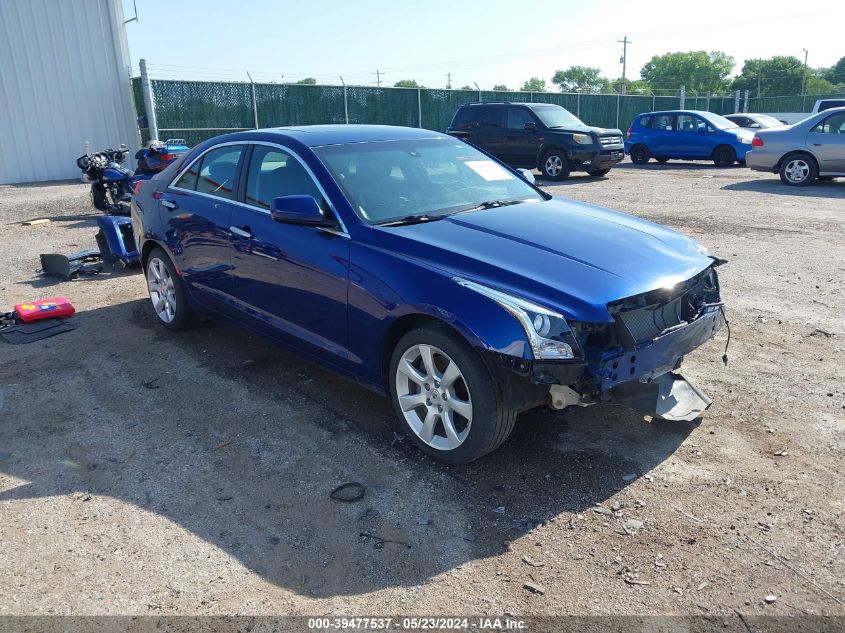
430,272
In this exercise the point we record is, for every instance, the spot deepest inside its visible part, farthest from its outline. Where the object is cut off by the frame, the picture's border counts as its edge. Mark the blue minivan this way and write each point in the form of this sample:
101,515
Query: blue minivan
687,134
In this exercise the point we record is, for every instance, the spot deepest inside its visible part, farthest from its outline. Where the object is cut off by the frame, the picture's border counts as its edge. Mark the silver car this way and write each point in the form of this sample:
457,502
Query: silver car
800,153
754,121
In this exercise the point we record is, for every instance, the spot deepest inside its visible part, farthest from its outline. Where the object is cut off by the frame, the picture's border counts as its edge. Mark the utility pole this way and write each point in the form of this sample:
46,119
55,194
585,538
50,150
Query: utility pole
759,81
378,75
804,81
448,81
624,60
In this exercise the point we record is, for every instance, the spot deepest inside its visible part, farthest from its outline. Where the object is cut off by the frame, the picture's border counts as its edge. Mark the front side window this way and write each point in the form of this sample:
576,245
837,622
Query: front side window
689,123
274,173
214,173
832,125
518,117
390,180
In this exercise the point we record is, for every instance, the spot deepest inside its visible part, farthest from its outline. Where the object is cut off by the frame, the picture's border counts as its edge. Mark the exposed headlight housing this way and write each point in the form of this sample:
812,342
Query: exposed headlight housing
702,249
548,333
582,139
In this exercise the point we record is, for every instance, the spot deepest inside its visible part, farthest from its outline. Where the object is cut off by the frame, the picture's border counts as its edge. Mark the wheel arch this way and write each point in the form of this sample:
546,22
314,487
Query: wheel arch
723,145
546,148
797,152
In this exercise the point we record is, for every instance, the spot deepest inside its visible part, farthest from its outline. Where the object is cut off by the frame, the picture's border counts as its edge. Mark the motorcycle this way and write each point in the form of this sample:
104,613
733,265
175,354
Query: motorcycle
112,185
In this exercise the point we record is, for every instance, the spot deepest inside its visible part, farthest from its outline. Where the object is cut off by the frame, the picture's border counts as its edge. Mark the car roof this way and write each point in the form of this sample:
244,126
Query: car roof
701,112
532,104
340,134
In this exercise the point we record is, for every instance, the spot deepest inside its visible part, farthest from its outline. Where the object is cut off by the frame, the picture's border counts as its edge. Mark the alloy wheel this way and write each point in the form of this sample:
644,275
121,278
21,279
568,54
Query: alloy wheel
554,165
162,290
797,170
434,397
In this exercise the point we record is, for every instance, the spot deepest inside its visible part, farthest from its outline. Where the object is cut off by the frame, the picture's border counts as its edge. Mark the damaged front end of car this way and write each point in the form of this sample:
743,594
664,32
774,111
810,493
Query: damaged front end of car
634,359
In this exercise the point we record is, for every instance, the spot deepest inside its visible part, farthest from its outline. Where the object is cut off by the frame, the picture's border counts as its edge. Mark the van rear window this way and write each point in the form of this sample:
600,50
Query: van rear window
831,103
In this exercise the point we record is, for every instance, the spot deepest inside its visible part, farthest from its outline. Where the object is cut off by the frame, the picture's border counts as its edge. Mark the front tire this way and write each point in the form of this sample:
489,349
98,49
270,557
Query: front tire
640,154
598,173
167,292
724,156
797,170
445,397
555,165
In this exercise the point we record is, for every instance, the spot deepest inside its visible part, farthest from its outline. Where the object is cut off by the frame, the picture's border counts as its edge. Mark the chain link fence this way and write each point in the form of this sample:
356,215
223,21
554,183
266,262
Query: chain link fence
197,110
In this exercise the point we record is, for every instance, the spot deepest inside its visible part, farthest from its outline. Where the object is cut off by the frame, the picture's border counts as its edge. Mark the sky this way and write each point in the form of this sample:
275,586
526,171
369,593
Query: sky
485,42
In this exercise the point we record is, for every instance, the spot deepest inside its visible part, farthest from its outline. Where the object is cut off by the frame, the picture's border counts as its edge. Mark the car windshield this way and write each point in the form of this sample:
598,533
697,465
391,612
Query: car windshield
719,122
420,179
557,116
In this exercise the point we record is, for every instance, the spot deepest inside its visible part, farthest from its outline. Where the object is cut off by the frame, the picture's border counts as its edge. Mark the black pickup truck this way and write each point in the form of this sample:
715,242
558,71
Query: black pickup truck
538,135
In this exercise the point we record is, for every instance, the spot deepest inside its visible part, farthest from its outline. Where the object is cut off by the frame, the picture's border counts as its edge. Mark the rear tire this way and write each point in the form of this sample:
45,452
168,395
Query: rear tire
640,154
724,156
445,397
167,292
555,165
598,173
797,170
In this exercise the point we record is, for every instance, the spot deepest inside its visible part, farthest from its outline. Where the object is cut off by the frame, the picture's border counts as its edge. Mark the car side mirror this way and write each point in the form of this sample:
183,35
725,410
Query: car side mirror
527,175
530,126
298,209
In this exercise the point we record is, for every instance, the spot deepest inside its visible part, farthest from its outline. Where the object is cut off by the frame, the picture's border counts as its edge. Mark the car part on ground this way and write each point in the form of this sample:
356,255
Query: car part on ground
686,134
800,153
36,320
540,136
429,272
87,262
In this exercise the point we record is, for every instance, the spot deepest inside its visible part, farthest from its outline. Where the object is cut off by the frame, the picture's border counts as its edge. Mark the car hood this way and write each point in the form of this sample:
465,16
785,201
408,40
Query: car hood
567,255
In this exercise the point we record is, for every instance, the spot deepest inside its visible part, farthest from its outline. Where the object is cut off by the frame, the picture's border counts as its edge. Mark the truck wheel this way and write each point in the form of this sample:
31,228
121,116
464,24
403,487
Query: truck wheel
597,173
640,154
724,156
555,165
445,397
797,170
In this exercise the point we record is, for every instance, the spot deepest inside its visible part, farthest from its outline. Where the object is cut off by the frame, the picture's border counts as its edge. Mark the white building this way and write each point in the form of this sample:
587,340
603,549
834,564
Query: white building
64,80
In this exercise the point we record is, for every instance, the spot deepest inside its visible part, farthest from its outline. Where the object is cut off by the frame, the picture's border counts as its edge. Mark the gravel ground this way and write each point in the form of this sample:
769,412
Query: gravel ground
143,472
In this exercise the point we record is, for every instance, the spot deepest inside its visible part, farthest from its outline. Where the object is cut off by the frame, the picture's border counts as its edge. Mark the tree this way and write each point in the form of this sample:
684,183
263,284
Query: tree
580,79
781,75
309,81
406,83
467,87
699,71
535,84
501,88
836,73
632,86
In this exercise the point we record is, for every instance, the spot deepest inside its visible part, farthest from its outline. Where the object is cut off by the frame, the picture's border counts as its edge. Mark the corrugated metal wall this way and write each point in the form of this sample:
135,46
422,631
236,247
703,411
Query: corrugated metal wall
64,80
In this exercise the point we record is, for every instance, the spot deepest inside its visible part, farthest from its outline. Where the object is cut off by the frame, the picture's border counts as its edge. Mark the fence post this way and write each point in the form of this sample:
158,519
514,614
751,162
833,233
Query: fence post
618,97
683,97
254,104
479,91
531,96
736,101
149,100
706,101
345,103
419,106
745,101
653,101
578,104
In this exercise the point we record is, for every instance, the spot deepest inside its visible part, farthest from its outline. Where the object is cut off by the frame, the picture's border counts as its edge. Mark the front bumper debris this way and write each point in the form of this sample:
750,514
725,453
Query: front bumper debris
669,397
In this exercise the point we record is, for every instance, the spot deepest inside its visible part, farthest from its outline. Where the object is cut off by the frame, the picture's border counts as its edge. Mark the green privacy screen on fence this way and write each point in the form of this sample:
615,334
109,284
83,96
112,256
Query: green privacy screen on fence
197,110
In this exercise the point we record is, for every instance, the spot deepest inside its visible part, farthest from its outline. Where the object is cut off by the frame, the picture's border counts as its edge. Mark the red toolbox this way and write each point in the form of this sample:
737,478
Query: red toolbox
52,308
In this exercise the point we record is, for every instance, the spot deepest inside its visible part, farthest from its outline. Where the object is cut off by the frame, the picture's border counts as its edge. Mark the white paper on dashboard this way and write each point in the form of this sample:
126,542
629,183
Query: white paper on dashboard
488,170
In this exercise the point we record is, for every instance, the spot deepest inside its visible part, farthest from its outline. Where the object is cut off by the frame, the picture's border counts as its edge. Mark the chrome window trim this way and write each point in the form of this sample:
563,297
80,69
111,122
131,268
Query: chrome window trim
172,185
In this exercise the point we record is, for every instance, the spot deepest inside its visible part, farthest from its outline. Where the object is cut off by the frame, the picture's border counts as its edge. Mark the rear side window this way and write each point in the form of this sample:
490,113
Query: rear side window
661,122
274,173
188,180
834,124
492,117
217,173
465,118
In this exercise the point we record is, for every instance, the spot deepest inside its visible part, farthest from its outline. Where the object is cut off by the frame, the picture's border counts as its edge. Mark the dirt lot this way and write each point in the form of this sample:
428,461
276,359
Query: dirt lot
143,472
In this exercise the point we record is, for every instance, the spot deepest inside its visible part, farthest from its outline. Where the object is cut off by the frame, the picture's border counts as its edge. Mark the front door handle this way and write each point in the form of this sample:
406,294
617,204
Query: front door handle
167,204
242,231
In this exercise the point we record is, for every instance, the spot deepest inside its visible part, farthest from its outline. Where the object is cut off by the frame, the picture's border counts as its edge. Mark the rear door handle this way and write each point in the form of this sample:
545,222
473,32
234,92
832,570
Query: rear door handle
167,204
241,231
817,144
